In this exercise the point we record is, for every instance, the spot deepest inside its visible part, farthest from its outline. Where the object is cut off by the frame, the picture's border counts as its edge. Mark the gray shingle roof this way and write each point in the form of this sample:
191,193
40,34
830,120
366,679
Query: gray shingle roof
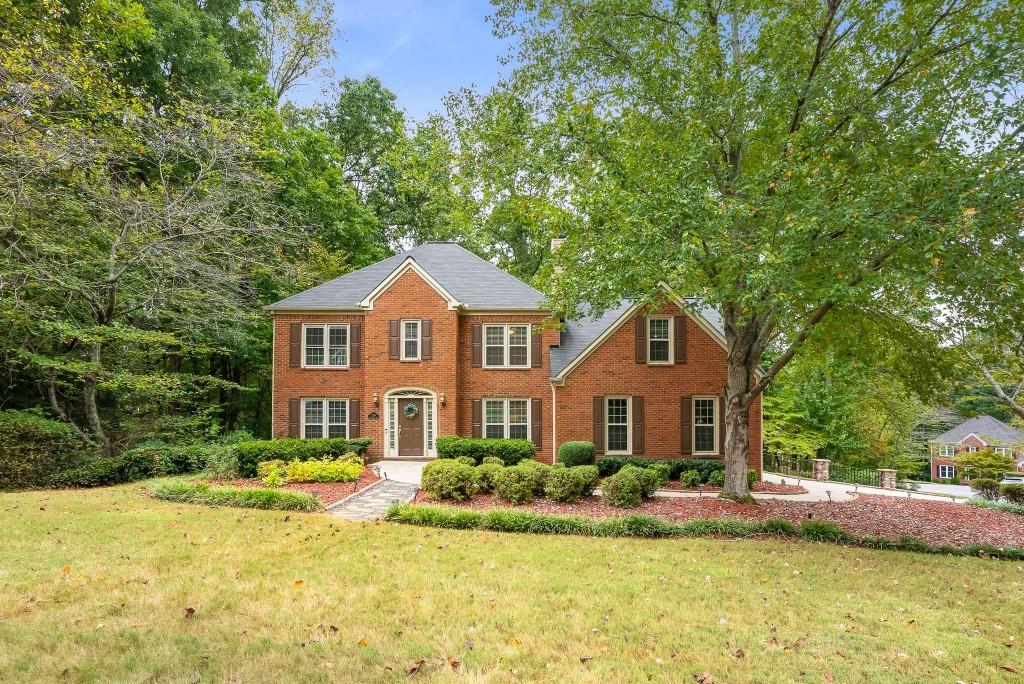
580,334
473,281
992,430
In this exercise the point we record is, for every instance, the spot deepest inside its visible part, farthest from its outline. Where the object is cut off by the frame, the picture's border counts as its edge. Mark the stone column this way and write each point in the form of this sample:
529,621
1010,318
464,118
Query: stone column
887,478
819,469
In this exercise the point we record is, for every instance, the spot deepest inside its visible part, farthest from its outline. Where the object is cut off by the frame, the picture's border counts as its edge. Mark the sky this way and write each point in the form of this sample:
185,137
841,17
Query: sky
419,49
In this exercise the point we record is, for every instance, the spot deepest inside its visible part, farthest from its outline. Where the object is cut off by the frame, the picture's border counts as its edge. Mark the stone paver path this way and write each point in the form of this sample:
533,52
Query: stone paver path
373,502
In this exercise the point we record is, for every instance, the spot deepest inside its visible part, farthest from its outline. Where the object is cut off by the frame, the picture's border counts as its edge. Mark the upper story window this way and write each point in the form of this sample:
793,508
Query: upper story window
972,449
1002,451
946,472
410,340
659,339
507,418
947,450
705,425
324,418
507,345
325,346
617,425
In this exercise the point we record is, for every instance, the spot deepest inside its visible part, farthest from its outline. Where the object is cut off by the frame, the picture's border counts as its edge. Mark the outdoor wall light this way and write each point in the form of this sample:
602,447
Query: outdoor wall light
443,400
376,399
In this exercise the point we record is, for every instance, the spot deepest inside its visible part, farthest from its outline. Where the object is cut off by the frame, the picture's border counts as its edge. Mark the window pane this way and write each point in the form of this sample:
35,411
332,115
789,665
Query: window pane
617,411
618,438
518,432
339,336
495,356
704,412
494,419
518,344
495,334
517,411
314,346
704,438
517,334
495,432
517,356
430,423
659,351
658,329
314,337
314,419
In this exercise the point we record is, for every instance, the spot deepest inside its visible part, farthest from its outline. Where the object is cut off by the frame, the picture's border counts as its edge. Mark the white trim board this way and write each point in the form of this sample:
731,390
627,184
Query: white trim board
409,265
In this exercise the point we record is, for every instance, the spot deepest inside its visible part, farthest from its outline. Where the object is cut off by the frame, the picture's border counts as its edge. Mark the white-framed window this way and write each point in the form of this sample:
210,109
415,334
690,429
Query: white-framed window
972,449
410,340
946,472
617,428
947,450
324,418
325,345
506,345
659,339
705,425
1002,451
507,418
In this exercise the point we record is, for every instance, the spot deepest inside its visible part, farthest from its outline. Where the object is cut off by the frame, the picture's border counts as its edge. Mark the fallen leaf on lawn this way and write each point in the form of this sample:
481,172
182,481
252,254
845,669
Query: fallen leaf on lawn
829,677
414,668
469,644
737,653
703,678
67,569
362,641
190,611
1008,668
584,659
512,641
970,211
453,663
912,623
298,583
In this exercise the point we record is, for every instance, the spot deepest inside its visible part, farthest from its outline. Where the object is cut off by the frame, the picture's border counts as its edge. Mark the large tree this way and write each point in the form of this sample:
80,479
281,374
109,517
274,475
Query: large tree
782,161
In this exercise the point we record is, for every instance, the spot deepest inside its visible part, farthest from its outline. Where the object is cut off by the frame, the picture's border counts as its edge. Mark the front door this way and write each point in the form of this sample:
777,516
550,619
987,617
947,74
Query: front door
410,428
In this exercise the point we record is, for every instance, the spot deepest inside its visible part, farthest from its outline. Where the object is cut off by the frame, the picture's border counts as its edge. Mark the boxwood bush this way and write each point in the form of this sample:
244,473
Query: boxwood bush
251,453
704,467
33,449
486,474
1013,493
570,484
629,486
576,453
519,484
449,479
100,472
510,451
986,488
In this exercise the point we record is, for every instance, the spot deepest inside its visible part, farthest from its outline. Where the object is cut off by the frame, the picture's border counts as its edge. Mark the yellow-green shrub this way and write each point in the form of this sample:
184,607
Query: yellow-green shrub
347,469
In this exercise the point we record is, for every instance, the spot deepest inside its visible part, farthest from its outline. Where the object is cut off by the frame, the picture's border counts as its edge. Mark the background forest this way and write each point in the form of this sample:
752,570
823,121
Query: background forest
157,188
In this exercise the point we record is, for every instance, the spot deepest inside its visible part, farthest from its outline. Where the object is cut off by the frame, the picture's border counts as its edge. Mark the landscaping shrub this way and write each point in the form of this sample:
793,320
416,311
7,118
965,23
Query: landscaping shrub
264,468
486,474
752,478
609,465
661,470
1013,493
125,467
986,488
33,449
820,530
998,506
540,475
623,489
487,460
242,497
589,474
576,453
717,478
449,479
510,451
221,462
689,478
274,478
347,469
468,460
251,453
518,484
567,485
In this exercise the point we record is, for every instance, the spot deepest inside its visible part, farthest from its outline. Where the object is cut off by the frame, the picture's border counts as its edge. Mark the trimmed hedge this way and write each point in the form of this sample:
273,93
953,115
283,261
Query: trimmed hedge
630,486
510,451
1013,493
126,467
240,497
251,453
33,449
570,484
986,488
576,453
648,526
609,465
449,479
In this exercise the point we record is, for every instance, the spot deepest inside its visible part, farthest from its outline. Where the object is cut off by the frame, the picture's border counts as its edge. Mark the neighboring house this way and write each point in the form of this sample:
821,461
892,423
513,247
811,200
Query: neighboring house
437,341
976,434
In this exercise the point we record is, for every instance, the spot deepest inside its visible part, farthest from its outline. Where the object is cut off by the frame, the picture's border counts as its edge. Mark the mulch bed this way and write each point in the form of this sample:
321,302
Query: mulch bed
935,522
765,487
327,492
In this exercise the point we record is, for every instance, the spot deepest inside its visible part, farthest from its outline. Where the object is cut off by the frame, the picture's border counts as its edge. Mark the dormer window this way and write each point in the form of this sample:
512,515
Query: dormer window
659,340
411,340
947,450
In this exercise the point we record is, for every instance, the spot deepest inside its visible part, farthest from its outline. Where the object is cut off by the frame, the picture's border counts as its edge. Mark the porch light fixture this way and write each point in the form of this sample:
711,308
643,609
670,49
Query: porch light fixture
443,400
376,399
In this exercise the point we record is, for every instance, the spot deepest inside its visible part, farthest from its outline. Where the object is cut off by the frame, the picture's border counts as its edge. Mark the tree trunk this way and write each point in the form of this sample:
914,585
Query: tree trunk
92,413
742,354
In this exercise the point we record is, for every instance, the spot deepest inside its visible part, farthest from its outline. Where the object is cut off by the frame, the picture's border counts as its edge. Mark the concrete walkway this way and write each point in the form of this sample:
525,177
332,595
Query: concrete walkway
401,471
374,501
843,491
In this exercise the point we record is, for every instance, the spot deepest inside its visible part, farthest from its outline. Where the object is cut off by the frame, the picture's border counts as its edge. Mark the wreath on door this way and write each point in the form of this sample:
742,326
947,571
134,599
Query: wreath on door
411,410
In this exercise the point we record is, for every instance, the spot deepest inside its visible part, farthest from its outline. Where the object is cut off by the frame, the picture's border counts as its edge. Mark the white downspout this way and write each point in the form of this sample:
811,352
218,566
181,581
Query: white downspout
554,425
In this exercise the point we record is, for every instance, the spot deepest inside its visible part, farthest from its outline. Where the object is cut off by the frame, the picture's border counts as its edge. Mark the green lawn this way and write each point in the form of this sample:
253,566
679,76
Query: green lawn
97,585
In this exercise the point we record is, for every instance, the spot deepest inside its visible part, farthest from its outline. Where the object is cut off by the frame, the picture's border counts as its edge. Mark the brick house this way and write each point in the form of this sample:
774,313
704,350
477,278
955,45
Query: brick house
977,434
437,341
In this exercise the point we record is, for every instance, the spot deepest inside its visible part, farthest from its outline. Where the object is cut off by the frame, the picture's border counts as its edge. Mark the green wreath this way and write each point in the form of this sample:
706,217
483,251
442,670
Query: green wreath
411,410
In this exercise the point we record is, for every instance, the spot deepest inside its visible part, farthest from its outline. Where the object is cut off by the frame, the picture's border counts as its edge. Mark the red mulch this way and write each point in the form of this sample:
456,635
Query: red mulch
935,522
328,492
767,487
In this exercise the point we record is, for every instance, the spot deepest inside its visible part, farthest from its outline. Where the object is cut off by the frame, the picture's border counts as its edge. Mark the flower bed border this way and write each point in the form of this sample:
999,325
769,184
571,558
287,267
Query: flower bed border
649,526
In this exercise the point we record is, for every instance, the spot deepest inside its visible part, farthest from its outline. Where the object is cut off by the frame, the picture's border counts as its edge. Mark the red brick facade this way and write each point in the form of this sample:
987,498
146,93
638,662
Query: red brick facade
450,375
962,447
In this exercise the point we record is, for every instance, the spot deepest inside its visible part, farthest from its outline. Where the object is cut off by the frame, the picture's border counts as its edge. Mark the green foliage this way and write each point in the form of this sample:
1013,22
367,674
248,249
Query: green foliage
487,473
629,486
274,478
752,478
33,449
820,530
986,488
576,453
689,478
221,462
100,472
1013,493
1008,507
449,479
518,484
345,469
264,468
240,497
717,478
251,453
467,460
662,471
489,460
567,485
609,465
984,464
510,451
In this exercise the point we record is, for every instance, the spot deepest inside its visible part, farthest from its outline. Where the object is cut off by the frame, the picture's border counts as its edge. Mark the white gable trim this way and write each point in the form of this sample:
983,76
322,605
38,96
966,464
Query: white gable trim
408,265
976,436
704,324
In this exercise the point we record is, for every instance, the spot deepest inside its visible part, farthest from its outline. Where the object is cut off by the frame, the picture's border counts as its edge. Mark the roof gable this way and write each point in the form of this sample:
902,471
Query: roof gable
986,428
463,278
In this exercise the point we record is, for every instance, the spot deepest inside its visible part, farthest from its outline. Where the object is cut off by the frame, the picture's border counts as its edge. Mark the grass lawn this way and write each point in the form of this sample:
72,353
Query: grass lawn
109,585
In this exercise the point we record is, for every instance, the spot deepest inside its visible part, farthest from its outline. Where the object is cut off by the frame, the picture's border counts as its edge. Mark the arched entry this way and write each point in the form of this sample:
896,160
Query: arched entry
410,423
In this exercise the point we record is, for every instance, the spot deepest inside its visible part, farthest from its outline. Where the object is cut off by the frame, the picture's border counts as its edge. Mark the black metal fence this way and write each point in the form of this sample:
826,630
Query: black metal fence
801,467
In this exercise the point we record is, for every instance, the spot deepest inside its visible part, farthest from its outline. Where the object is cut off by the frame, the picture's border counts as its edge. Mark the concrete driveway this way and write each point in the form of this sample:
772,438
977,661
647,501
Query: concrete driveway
843,491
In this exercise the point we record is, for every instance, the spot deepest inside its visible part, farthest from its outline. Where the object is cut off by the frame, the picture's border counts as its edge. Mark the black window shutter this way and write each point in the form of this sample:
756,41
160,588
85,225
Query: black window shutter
393,327
536,422
598,425
641,339
679,322
293,417
685,425
477,418
355,345
353,418
295,345
477,345
535,350
426,340
638,425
